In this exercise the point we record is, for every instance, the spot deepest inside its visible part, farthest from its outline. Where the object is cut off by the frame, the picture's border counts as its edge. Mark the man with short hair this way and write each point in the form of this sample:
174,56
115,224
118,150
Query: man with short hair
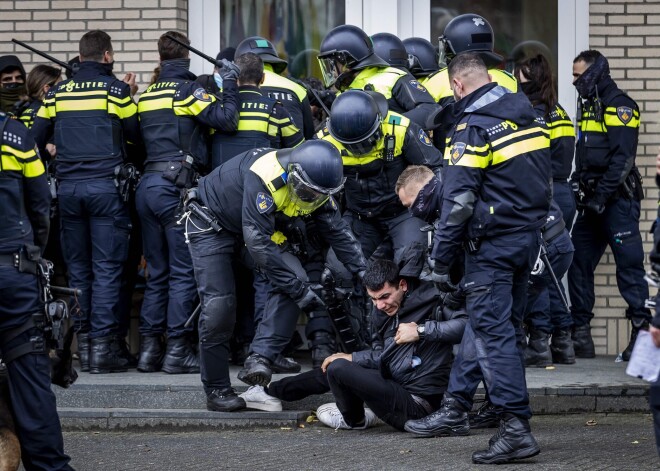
488,211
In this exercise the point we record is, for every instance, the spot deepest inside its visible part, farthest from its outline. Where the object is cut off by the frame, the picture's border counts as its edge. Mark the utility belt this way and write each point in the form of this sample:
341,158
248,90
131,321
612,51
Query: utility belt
630,189
195,208
126,179
181,173
553,231
25,260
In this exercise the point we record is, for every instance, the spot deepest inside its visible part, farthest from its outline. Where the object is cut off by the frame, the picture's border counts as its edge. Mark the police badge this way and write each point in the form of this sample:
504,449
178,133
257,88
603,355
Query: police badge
457,151
624,113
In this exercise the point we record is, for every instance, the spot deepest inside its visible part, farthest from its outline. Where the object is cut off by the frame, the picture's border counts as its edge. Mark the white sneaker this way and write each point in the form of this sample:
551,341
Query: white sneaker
256,398
329,415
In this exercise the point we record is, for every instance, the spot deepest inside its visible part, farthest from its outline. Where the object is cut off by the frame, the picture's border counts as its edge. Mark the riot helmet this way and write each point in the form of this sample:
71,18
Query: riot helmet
422,57
391,49
264,49
469,32
314,172
355,120
344,49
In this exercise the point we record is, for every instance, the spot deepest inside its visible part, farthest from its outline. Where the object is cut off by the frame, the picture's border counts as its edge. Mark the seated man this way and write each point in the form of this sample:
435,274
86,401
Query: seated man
404,380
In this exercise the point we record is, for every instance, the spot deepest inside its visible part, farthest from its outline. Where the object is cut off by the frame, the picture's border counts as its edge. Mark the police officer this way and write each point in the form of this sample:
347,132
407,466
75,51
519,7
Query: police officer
611,190
175,113
496,144
241,204
465,33
39,81
93,116
422,58
376,144
263,121
278,87
25,215
348,61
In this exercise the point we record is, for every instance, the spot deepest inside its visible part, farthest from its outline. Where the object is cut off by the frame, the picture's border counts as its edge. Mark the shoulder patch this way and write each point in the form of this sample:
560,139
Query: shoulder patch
417,85
201,95
624,113
461,126
457,151
424,138
264,202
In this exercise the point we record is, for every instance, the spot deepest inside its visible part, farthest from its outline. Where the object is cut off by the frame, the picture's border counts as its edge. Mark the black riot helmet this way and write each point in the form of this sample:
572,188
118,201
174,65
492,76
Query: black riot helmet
355,120
422,57
344,49
391,49
264,49
469,32
314,172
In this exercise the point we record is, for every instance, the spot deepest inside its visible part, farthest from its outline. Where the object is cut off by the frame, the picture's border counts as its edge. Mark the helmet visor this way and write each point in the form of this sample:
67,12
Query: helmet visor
365,146
446,52
303,193
330,69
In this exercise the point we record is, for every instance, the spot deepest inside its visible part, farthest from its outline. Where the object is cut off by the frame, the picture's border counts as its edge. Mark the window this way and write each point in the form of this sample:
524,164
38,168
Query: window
295,27
521,27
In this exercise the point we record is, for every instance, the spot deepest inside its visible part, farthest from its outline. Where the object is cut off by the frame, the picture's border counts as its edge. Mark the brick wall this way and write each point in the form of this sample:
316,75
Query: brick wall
55,27
627,32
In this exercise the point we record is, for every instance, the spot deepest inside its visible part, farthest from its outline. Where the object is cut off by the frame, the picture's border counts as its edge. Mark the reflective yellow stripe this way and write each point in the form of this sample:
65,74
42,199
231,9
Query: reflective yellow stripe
81,105
47,110
278,237
66,95
253,114
474,157
191,106
154,105
612,118
290,130
518,134
148,95
252,125
518,148
122,112
561,130
592,126
25,162
34,169
120,101
271,79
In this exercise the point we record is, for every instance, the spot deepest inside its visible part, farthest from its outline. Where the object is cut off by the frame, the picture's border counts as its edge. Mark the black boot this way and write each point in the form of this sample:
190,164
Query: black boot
561,347
583,344
105,356
257,371
180,357
636,327
83,350
323,345
224,401
284,364
537,352
450,420
151,354
514,441
131,360
488,416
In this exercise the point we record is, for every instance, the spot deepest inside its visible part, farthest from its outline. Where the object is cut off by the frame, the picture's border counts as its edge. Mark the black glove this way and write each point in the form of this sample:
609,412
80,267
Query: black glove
229,70
309,301
595,204
440,277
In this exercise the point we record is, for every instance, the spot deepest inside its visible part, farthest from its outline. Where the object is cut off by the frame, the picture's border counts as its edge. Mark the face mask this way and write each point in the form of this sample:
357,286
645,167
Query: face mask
586,84
13,85
218,80
10,95
422,207
530,88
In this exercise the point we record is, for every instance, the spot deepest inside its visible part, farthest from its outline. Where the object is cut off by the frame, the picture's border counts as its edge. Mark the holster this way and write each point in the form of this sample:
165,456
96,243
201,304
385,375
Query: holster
631,188
126,179
28,258
183,175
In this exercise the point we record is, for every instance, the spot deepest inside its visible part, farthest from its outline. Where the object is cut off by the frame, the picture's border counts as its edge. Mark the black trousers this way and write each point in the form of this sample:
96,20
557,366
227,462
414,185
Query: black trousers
354,387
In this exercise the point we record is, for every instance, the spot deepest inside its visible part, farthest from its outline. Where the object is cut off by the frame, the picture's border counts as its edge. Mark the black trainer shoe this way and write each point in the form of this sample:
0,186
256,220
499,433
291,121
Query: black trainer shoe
514,441
561,347
450,420
257,371
224,401
583,344
488,416
284,364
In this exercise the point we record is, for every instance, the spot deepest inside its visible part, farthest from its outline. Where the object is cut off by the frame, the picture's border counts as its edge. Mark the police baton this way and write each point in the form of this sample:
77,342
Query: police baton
44,55
193,316
544,256
217,63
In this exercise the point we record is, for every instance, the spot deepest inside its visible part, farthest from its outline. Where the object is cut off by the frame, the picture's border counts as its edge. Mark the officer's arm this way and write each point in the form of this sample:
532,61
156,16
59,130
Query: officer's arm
336,232
622,135
221,114
462,181
35,189
415,99
42,128
448,330
418,148
258,227
308,119
121,104
290,135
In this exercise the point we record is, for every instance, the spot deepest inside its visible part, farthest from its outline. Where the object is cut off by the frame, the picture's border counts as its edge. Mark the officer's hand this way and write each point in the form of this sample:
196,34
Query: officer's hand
129,78
406,333
594,205
229,70
310,301
440,277
333,357
655,335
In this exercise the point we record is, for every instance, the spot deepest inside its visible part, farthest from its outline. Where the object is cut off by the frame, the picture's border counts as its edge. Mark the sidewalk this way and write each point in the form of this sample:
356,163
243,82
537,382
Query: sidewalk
133,399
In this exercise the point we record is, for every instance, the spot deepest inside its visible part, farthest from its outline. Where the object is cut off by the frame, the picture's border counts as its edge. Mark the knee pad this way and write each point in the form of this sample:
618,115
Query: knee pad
218,316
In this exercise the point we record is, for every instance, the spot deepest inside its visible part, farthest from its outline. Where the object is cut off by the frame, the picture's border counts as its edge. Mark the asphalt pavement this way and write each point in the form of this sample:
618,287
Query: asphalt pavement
568,442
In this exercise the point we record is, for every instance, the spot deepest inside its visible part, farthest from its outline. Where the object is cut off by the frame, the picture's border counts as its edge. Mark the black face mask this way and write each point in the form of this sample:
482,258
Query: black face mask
10,95
185,63
423,206
13,85
530,88
586,85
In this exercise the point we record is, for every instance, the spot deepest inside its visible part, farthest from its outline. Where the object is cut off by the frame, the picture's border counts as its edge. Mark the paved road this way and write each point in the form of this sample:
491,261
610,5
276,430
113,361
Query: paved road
615,442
